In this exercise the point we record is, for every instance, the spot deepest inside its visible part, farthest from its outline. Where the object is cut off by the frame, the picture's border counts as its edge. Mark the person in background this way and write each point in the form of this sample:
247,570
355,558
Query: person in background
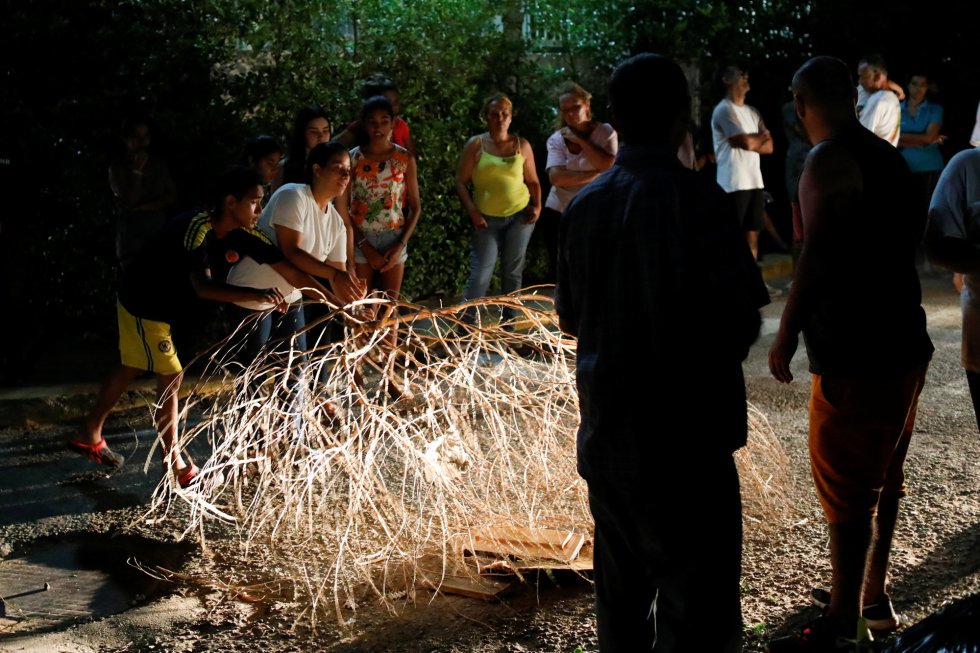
919,141
143,188
382,205
920,138
310,128
878,101
624,240
740,138
263,155
578,152
504,204
355,134
796,152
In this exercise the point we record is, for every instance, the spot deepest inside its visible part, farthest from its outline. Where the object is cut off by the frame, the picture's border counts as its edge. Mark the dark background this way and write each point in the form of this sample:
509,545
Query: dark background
72,69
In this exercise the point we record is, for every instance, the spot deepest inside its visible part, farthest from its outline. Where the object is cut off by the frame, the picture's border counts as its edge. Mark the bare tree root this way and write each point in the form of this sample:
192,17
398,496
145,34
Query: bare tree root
348,488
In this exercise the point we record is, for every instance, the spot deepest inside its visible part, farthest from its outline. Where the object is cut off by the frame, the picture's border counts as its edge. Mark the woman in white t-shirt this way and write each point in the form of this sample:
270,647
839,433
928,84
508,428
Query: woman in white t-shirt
303,223
578,152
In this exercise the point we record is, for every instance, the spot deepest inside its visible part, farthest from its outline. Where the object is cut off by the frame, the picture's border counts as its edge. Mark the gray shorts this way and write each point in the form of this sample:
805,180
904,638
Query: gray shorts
382,241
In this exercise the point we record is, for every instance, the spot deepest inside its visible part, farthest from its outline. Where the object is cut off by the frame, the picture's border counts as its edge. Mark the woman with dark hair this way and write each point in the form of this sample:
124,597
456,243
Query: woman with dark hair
302,221
578,152
382,203
298,216
919,138
143,189
310,128
505,203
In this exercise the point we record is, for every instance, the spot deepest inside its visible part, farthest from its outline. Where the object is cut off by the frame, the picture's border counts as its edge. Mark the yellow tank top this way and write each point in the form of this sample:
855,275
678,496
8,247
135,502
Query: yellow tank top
498,184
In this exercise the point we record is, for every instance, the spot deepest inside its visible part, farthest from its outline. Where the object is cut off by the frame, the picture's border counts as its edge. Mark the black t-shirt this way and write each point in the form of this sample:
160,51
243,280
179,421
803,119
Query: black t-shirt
158,282
663,292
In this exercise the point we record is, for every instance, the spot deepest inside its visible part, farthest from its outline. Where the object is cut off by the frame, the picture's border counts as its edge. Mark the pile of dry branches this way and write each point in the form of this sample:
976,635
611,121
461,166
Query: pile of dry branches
362,467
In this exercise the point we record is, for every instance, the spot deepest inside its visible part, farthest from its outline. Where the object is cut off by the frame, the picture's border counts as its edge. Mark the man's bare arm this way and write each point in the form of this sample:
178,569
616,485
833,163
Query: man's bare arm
830,181
760,142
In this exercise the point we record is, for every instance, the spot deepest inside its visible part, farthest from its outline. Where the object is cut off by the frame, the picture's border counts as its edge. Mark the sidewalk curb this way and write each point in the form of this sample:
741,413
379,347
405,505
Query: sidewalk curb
65,403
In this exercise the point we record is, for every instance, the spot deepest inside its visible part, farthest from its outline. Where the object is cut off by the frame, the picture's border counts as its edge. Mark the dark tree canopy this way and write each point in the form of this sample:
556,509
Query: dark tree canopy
214,73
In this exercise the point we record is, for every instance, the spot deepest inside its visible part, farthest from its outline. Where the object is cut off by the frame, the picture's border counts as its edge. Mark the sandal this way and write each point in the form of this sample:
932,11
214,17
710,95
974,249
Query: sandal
189,476
98,452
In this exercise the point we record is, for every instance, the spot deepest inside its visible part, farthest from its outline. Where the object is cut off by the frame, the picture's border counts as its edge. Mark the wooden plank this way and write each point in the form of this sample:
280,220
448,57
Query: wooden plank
477,587
493,566
521,543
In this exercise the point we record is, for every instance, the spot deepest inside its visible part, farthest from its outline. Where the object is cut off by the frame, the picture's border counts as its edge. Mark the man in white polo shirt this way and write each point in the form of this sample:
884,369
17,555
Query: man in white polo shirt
740,137
878,106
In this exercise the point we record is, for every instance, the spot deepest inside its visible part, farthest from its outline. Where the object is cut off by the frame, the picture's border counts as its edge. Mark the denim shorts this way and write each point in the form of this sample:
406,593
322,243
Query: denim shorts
382,241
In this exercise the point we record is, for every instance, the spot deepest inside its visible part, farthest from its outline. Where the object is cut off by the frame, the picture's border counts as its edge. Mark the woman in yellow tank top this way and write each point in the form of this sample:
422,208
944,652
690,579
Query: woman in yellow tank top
505,201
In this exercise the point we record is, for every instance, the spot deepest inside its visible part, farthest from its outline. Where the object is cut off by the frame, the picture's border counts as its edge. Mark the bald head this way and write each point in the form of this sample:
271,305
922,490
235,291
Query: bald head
825,85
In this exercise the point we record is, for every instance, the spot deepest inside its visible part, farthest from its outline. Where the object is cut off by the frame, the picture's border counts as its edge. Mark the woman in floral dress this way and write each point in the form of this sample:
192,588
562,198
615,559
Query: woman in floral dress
382,204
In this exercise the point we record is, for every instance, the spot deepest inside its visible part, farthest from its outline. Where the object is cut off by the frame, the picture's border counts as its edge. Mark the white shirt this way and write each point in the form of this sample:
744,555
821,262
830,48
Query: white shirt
975,138
322,234
738,169
882,114
603,136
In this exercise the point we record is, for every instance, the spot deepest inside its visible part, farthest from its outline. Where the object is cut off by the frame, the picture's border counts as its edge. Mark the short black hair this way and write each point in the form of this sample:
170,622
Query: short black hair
320,155
234,180
377,86
260,147
825,82
726,72
875,61
648,95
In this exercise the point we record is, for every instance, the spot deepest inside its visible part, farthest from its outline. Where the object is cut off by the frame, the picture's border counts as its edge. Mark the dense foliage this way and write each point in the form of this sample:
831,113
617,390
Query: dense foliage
214,72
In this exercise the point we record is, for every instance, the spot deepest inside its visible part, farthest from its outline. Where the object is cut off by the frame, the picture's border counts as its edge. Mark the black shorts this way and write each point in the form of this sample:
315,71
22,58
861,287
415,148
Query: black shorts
749,207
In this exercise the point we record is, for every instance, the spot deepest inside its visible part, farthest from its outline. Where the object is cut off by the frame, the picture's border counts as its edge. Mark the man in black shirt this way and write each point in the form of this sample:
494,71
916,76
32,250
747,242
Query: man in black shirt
657,283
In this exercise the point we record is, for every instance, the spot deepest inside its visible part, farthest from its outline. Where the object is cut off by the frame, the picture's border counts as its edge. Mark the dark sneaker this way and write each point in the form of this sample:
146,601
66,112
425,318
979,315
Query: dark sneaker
824,635
880,615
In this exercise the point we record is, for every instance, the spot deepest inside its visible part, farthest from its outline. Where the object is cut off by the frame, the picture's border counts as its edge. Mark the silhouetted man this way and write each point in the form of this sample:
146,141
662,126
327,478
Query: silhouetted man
657,284
868,351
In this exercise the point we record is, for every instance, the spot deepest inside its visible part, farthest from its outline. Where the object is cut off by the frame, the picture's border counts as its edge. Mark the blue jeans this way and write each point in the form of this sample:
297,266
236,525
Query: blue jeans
509,236
277,328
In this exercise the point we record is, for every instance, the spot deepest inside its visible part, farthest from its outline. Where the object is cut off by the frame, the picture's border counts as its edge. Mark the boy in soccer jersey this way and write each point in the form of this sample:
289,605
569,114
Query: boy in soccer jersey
191,255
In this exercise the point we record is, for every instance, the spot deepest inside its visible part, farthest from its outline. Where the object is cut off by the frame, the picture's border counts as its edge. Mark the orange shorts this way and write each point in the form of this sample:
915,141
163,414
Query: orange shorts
860,431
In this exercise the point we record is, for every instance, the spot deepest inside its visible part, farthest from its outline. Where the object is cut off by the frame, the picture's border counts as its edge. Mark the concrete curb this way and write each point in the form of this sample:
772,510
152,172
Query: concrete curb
59,404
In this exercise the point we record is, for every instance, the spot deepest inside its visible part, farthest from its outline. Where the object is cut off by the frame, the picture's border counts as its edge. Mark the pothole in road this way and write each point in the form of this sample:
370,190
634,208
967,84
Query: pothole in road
54,582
